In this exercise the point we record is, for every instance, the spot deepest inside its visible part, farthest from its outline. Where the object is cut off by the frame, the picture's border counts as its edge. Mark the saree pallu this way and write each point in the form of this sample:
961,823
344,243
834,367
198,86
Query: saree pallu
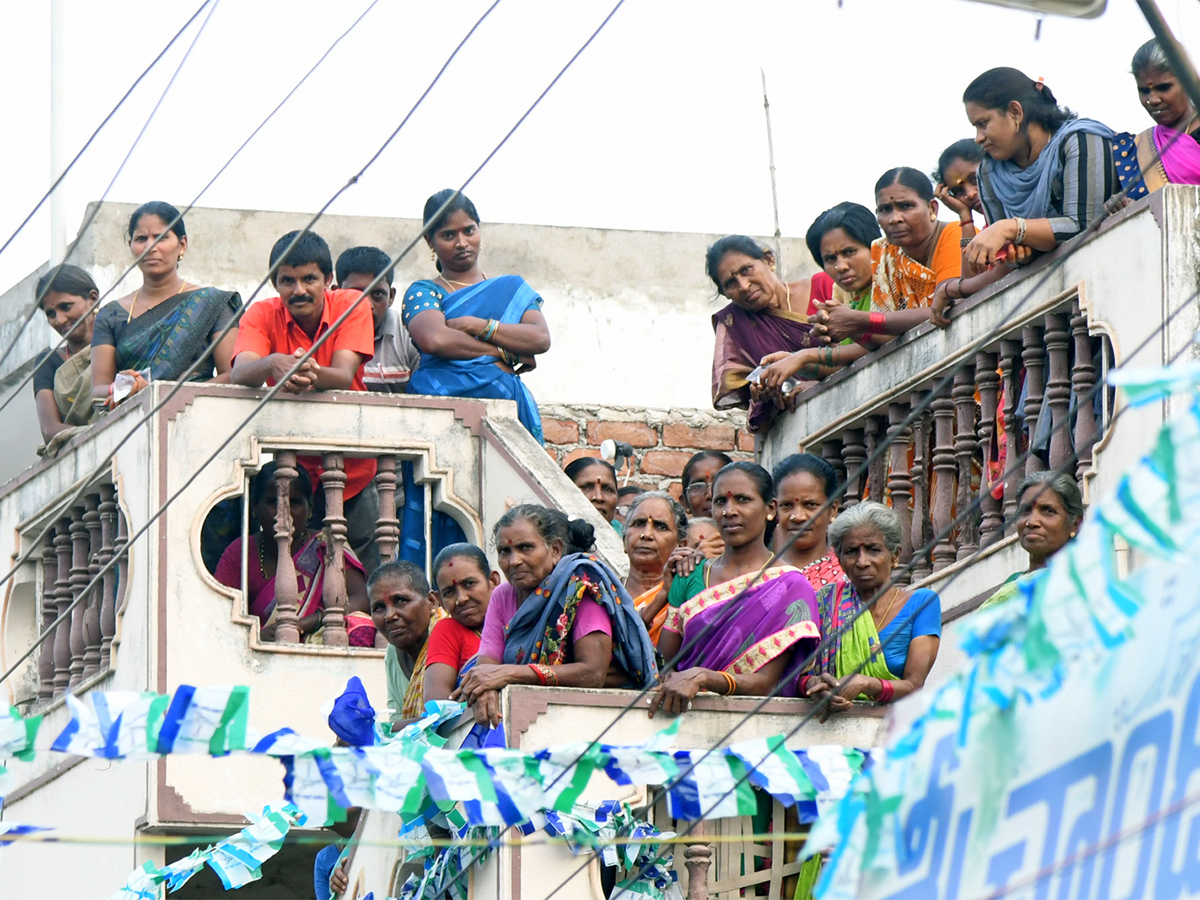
506,299
777,616
903,283
414,696
540,631
170,337
654,629
851,639
1157,157
744,338
73,397
309,562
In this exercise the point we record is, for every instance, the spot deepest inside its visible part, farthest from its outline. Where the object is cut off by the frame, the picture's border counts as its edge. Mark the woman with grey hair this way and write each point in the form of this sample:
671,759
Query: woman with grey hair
1169,152
655,529
880,639
1049,510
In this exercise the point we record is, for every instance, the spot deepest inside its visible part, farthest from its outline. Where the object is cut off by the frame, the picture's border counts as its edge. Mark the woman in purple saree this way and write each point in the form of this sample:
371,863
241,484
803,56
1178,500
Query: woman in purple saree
1168,153
764,315
748,631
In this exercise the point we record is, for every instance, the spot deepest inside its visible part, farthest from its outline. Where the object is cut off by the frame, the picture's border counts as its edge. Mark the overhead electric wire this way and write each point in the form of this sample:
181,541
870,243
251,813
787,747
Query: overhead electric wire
34,545
79,322
57,181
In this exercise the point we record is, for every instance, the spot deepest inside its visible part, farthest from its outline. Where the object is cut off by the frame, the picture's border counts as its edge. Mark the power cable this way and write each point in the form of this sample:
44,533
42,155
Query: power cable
38,300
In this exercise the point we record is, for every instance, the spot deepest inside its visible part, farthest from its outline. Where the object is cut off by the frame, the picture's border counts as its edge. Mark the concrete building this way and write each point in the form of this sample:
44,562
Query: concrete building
1126,298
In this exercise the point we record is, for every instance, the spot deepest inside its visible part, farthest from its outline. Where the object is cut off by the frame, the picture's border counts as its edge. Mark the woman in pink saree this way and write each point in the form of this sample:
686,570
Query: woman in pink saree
308,556
1168,153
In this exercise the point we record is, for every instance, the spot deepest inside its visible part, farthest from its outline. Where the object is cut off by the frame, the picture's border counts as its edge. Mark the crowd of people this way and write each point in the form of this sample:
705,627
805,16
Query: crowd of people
1036,174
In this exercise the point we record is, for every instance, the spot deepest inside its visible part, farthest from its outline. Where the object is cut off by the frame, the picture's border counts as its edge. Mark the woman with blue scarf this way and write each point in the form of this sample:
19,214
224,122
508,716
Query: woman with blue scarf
476,334
1046,173
563,619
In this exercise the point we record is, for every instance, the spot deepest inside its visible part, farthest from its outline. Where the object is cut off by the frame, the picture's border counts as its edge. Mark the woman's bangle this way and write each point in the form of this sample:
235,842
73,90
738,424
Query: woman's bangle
545,675
875,323
957,288
1020,231
489,331
512,359
886,691
730,683
967,223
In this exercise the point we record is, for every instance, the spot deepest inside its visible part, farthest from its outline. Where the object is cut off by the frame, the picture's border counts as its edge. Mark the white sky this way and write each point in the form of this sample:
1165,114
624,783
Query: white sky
659,125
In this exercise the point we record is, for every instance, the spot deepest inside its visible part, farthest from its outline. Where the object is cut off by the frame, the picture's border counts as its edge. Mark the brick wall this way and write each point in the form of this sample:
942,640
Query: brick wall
663,440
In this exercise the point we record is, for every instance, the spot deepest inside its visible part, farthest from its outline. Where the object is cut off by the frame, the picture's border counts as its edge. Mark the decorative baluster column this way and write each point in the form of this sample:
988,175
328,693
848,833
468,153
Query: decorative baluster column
91,616
899,482
49,611
1058,389
108,586
877,468
991,528
387,528
697,856
333,480
1083,379
287,591
831,452
854,450
1010,383
945,467
79,580
1034,357
920,487
62,599
965,449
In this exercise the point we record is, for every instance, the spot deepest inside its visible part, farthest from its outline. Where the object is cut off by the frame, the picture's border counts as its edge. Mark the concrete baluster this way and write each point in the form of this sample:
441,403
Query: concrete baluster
991,527
91,617
920,487
1083,379
966,448
1010,382
854,451
1034,357
79,580
287,591
899,483
387,528
1058,389
831,452
697,857
49,611
62,599
945,469
333,480
108,586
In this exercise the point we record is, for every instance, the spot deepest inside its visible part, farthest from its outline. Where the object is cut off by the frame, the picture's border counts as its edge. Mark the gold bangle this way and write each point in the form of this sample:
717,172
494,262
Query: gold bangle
731,682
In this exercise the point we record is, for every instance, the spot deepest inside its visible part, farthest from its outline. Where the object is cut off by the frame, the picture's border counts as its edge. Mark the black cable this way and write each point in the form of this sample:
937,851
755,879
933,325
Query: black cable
38,300
57,181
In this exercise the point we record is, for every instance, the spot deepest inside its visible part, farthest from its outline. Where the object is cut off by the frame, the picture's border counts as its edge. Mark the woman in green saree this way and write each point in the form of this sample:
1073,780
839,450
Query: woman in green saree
881,650
168,323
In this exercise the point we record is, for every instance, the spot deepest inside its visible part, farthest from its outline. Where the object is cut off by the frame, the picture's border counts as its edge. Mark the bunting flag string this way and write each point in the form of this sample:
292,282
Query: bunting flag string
237,860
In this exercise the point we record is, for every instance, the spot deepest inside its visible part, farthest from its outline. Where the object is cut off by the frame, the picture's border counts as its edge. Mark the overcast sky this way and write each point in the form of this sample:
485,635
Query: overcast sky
659,125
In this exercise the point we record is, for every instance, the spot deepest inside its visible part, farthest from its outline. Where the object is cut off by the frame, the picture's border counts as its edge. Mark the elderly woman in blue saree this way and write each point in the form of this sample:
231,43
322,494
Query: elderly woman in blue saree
476,334
562,619
167,324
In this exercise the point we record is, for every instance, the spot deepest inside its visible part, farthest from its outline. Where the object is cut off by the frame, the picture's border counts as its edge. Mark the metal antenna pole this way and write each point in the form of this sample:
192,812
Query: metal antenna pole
771,158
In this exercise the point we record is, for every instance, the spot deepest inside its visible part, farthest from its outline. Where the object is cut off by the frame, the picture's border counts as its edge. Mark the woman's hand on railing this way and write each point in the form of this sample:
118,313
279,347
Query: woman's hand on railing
674,695
825,685
833,322
940,305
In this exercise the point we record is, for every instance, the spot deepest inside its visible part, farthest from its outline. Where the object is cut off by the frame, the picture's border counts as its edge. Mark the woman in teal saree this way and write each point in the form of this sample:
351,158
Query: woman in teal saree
167,324
476,334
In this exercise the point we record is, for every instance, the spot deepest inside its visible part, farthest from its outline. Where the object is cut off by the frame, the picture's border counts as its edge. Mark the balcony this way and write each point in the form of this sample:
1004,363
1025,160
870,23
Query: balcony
1126,297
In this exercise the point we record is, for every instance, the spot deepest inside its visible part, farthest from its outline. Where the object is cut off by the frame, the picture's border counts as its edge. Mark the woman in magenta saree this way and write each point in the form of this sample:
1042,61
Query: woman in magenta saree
764,315
1168,153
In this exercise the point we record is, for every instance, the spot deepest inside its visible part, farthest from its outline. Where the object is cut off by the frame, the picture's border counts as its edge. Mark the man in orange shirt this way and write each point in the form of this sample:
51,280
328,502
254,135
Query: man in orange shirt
274,333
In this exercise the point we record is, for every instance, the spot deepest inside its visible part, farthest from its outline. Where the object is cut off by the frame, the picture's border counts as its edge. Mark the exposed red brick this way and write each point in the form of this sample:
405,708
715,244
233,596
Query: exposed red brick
639,434
745,441
578,453
560,431
676,491
665,462
710,437
553,455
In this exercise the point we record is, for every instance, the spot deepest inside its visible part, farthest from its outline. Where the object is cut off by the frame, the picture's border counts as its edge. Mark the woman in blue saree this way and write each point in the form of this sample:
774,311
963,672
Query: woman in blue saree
476,334
168,323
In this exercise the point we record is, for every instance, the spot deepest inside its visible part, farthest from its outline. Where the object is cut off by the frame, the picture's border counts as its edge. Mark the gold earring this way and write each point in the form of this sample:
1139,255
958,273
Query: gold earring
433,254
180,257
